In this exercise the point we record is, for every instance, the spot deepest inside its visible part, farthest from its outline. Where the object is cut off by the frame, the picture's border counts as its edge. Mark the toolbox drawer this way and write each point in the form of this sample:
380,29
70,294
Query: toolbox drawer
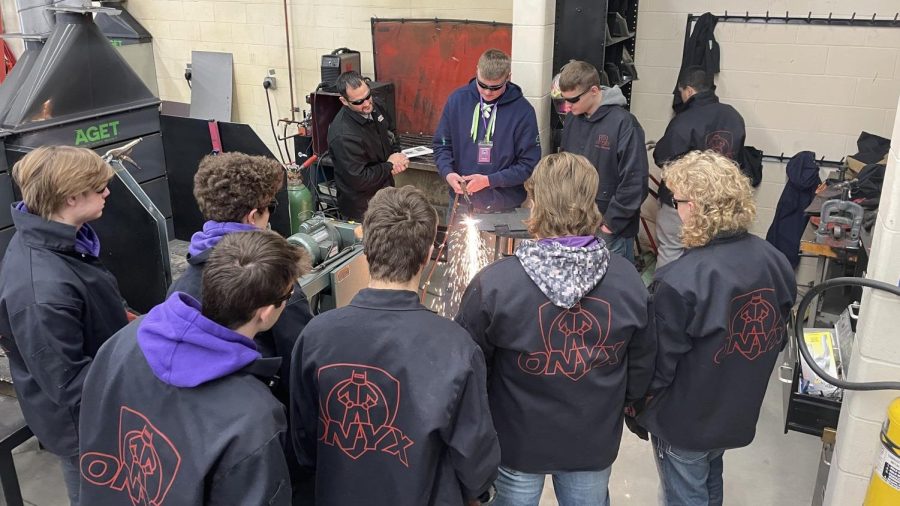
809,414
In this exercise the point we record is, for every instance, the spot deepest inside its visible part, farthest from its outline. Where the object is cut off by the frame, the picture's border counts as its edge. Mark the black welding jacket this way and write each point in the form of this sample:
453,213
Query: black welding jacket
147,435
705,123
388,403
721,312
360,148
57,306
559,378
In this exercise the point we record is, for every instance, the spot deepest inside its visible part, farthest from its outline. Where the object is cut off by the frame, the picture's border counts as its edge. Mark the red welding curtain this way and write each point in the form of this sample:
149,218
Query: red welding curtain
428,59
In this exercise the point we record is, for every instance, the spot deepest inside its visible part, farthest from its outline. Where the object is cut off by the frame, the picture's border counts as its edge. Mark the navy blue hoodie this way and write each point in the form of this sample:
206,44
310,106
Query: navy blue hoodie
173,408
516,149
58,304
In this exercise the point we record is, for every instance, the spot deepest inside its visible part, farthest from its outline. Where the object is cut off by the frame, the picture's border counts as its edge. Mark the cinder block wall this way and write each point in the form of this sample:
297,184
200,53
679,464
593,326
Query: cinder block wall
876,356
254,31
11,25
798,87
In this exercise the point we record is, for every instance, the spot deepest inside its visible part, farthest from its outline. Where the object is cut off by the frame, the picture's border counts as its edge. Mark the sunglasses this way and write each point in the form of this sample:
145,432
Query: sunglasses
273,205
675,202
576,98
284,298
362,100
101,190
489,87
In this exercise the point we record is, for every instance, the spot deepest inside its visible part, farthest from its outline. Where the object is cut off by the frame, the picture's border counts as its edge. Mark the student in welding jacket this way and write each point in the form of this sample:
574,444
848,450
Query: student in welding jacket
388,400
236,193
721,311
566,329
365,151
58,303
488,137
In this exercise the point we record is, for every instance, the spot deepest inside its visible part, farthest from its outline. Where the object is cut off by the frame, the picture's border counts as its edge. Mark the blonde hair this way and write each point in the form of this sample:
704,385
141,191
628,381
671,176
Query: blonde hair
563,187
494,64
723,201
49,175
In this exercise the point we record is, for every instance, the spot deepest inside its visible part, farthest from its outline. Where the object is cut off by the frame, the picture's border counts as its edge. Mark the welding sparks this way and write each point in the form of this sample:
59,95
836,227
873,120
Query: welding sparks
468,254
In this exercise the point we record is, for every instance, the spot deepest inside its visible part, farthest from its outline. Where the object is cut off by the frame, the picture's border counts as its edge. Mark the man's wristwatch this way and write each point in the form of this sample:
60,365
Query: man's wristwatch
489,495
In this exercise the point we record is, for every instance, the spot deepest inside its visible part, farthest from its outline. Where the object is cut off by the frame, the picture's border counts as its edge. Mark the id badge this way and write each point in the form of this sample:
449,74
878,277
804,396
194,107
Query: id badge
484,152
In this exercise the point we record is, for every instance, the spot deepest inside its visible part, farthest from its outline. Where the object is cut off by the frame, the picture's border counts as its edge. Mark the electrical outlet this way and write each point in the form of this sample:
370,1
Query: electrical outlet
269,81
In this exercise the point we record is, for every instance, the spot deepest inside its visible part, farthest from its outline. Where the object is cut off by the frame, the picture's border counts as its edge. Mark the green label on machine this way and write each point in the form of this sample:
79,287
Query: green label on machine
97,133
115,42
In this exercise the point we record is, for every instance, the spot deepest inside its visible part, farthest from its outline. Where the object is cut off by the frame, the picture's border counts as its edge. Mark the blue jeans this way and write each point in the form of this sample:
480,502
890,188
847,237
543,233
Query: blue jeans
624,246
577,488
71,471
687,477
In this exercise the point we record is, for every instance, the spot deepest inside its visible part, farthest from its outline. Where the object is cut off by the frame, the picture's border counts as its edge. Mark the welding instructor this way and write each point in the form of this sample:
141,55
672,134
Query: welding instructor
488,137
365,151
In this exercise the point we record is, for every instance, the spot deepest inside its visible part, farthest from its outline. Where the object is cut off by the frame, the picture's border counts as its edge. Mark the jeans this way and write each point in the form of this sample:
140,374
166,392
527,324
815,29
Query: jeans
624,246
687,477
577,488
71,471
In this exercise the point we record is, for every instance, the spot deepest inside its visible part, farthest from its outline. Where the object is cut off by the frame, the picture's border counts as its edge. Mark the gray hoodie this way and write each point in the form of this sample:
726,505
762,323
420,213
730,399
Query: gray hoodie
564,272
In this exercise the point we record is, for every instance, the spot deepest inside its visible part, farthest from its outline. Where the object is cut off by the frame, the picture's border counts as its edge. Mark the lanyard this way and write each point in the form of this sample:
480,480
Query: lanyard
488,125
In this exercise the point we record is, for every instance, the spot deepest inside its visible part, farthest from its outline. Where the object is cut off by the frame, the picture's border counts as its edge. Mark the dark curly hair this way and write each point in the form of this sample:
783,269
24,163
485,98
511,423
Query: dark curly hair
227,186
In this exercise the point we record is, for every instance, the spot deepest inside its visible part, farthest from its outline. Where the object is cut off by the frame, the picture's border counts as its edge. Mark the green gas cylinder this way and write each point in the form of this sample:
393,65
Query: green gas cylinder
300,202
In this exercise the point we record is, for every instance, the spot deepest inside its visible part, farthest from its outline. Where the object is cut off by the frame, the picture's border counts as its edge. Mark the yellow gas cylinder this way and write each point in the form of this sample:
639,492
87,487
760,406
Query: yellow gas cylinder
884,486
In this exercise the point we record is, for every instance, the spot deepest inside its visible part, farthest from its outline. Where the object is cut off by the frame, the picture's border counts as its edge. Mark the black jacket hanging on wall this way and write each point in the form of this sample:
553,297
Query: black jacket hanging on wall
798,193
700,49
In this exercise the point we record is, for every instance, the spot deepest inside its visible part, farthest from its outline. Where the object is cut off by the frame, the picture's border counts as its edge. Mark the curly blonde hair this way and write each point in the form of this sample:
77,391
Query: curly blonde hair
563,187
723,201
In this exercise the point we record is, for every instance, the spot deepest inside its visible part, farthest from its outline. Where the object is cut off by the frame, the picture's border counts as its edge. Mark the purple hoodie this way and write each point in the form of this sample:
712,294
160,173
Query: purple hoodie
213,232
86,240
572,241
186,349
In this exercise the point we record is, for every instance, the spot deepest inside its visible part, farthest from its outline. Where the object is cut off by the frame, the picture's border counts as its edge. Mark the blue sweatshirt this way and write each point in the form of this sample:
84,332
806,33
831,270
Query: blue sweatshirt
515,152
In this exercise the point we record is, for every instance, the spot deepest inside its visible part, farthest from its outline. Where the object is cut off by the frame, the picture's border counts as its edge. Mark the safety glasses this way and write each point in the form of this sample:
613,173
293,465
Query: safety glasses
284,298
490,87
675,202
362,100
576,98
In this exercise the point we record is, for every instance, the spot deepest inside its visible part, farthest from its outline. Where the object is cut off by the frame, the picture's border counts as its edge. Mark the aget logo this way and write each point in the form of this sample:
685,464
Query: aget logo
96,133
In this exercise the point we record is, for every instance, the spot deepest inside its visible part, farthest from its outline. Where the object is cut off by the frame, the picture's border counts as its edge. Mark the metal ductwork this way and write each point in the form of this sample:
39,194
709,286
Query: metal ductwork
35,19
78,90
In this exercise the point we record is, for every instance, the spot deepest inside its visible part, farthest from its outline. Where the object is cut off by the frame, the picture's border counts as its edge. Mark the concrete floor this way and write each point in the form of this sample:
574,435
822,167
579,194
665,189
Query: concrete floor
776,470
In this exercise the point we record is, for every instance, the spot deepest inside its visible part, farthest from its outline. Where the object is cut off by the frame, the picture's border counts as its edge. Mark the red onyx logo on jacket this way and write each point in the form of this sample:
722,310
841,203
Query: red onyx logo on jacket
359,411
602,142
575,340
145,467
722,142
755,326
